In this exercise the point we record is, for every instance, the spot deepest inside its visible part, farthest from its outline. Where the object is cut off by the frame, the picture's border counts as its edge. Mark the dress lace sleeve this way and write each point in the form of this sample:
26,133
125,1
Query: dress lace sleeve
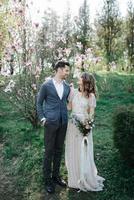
92,101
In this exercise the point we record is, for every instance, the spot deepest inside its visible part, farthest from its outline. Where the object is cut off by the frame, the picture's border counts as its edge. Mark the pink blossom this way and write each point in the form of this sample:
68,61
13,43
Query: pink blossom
79,45
9,87
34,86
28,63
37,70
37,76
67,51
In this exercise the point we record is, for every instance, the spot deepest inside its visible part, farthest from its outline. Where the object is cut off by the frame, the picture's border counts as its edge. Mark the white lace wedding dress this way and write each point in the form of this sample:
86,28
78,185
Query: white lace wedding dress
79,155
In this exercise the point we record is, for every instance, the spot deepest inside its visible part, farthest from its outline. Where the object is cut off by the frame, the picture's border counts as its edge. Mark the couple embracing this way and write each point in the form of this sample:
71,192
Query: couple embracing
54,99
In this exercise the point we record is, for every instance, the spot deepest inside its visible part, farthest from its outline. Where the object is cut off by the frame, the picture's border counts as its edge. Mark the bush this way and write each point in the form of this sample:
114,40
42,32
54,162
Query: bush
124,132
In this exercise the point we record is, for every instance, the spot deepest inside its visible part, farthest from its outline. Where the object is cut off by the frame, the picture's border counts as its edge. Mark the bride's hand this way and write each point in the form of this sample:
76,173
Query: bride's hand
71,85
69,106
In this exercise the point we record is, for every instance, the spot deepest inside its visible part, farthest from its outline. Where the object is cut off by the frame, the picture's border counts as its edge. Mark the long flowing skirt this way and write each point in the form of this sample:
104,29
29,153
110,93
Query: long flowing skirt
79,159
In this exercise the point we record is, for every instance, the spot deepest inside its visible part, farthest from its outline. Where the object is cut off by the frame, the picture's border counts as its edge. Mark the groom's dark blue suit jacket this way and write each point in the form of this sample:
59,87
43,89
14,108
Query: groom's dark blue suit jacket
50,106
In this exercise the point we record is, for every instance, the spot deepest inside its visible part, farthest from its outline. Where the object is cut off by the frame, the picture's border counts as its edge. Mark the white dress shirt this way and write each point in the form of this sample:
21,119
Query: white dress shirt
59,88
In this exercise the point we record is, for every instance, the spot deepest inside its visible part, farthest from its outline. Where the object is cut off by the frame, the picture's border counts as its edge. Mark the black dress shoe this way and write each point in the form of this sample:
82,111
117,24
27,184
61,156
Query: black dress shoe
59,181
50,189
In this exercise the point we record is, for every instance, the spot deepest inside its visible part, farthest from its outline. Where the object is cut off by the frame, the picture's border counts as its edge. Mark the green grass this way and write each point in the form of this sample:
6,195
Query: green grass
22,150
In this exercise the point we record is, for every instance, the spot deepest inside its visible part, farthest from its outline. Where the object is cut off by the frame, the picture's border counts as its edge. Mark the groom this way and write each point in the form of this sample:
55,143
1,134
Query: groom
52,112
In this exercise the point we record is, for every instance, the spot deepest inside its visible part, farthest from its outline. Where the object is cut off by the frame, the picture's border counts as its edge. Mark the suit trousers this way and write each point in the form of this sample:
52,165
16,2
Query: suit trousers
54,136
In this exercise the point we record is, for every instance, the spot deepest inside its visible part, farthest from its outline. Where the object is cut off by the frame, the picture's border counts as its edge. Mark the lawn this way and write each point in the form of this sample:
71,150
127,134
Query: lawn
21,149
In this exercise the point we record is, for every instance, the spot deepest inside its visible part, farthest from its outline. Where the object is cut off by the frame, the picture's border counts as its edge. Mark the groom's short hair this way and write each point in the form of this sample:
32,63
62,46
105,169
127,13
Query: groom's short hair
61,64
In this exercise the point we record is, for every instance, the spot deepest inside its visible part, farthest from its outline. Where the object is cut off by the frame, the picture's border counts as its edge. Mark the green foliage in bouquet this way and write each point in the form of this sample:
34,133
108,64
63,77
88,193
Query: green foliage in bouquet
84,127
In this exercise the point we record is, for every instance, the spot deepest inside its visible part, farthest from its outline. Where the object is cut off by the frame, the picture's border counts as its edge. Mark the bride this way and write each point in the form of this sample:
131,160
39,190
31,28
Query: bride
79,155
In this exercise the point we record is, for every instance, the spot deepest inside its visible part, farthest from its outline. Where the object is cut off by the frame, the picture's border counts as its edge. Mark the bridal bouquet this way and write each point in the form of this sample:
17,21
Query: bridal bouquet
84,127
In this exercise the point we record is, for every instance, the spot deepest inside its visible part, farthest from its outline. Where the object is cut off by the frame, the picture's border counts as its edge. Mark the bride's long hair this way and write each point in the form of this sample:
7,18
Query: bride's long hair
89,85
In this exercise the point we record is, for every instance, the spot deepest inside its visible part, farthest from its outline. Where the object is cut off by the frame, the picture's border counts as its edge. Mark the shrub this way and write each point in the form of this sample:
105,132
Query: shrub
22,90
124,132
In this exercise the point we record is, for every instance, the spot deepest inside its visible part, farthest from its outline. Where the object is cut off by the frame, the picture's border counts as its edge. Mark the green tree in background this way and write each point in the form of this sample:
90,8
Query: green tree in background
3,28
130,34
48,37
83,28
66,29
109,30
